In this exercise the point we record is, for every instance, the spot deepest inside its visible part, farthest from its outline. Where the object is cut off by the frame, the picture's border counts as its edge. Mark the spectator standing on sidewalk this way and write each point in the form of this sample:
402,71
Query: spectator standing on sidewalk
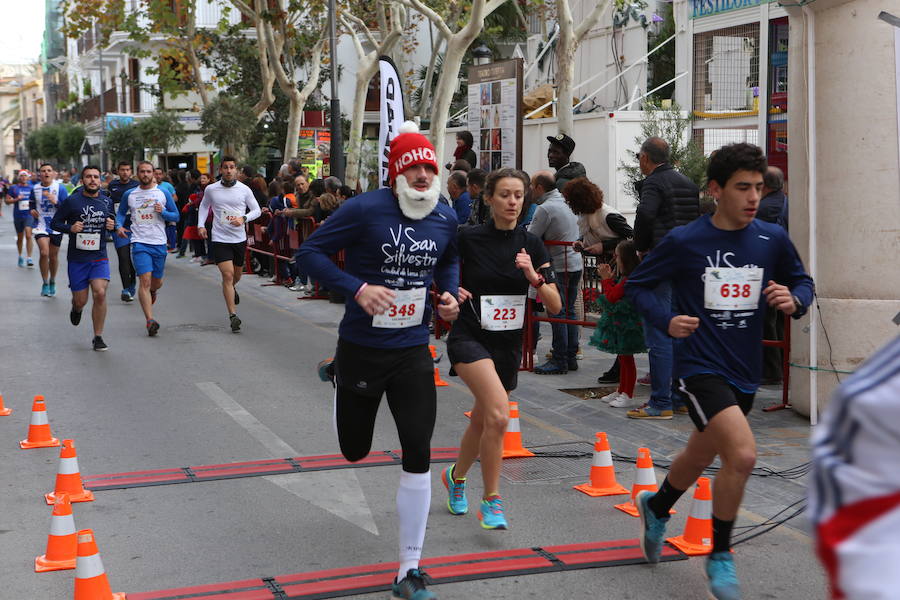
555,221
667,199
559,157
773,209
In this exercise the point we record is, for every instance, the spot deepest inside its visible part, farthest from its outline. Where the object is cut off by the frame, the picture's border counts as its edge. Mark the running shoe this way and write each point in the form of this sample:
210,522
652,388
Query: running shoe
653,529
235,323
152,327
152,296
648,412
21,261
75,317
412,587
30,263
610,397
456,502
611,376
45,289
325,369
99,344
624,401
550,368
126,297
490,513
51,288
723,581
237,297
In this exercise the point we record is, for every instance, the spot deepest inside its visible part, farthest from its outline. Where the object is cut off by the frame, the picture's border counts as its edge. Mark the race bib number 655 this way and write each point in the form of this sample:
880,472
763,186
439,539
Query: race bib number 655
407,310
732,288
145,214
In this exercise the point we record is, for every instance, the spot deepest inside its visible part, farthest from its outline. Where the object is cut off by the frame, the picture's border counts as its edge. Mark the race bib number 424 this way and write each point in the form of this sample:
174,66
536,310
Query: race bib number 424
732,288
407,310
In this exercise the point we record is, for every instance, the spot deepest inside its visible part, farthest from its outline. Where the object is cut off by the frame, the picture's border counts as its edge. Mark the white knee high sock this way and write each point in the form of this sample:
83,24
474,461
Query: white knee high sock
413,503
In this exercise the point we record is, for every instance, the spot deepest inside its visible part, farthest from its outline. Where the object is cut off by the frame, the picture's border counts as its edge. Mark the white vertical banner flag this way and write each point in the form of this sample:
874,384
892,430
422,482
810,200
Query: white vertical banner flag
392,115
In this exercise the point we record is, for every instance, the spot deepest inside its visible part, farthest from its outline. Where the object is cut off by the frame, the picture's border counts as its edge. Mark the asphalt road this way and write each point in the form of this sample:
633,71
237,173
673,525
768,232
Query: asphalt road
198,394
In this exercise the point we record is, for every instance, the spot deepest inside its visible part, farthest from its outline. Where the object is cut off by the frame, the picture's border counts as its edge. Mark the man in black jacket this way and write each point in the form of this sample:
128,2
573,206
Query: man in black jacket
773,209
559,157
668,199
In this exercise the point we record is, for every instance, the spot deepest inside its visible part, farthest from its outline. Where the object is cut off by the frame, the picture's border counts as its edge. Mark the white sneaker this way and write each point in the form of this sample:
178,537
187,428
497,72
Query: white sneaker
623,401
610,397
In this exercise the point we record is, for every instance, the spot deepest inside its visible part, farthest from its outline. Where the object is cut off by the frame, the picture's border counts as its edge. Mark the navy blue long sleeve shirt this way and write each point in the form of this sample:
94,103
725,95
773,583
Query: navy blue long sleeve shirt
727,342
383,247
93,212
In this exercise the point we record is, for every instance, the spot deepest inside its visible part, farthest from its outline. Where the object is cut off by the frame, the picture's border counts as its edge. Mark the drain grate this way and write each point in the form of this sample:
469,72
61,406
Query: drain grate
566,461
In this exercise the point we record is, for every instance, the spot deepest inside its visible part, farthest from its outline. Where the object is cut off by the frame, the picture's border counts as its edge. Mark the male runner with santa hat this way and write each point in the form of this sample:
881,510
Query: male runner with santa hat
397,241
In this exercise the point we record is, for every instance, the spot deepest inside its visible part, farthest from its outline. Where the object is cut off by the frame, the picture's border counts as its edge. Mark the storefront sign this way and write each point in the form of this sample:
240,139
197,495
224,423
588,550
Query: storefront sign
495,113
705,8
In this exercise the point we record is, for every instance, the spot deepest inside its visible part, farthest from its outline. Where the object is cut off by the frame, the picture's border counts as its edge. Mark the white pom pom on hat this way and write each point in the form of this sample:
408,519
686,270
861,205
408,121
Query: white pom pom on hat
408,127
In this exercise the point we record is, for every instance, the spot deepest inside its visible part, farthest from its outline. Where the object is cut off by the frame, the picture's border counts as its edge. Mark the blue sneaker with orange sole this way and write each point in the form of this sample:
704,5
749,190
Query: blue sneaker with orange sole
456,502
490,513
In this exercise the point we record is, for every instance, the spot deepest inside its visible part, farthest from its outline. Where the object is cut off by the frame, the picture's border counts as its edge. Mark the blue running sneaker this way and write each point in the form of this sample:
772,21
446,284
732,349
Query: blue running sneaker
30,263
723,581
653,529
490,513
51,288
45,289
21,261
457,502
412,587
325,369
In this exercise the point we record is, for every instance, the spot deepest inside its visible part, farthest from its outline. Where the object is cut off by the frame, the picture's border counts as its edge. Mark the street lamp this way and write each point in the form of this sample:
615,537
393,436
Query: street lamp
482,55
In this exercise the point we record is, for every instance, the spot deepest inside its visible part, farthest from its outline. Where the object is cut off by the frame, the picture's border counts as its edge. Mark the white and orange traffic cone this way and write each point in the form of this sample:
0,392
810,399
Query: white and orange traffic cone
39,435
697,537
644,479
68,478
61,543
512,439
90,578
4,412
438,382
603,474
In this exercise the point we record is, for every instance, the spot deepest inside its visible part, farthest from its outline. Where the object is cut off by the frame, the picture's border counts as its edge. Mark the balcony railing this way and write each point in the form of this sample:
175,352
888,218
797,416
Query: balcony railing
90,109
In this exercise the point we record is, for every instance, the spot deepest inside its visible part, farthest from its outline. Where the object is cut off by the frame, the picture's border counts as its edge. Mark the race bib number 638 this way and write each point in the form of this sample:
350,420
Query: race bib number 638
732,288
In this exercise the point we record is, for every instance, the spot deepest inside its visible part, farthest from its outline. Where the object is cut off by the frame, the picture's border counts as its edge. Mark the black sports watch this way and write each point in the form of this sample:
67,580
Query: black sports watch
798,306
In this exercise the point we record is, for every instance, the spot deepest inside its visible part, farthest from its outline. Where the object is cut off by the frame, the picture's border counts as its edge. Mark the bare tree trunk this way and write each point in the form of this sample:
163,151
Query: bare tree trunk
194,60
354,152
267,97
425,96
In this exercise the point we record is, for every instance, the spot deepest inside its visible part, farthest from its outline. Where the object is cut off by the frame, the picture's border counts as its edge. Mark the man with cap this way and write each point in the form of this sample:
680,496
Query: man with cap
397,242
558,157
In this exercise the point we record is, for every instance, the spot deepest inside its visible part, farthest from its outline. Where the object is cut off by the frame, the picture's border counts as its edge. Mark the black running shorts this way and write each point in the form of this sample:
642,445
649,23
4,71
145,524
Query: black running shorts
709,394
55,238
466,346
222,252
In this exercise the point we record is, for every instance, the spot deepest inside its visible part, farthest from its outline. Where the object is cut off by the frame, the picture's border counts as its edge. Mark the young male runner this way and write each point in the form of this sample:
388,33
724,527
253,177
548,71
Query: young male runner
45,199
86,216
150,208
160,177
233,205
396,242
18,195
724,269
116,189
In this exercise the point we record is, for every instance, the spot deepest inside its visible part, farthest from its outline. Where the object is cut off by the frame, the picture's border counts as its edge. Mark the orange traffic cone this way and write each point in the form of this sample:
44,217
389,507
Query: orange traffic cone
697,538
68,478
512,439
4,412
61,542
438,382
603,474
644,479
39,435
90,578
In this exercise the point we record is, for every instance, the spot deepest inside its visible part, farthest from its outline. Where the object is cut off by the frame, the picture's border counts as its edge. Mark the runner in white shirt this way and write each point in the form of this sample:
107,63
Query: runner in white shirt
150,208
45,197
233,205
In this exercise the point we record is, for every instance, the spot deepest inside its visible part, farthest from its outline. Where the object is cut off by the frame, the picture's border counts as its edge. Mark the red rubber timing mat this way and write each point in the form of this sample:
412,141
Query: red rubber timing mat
335,583
256,468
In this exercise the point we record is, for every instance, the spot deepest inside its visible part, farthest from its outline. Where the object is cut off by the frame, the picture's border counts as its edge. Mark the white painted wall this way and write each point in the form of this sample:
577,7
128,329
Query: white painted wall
858,200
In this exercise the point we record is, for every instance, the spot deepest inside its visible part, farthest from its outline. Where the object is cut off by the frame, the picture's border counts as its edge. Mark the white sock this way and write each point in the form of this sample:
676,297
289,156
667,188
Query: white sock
413,503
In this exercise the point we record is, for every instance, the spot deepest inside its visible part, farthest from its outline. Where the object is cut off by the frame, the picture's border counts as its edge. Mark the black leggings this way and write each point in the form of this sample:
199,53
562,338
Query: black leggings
407,376
126,269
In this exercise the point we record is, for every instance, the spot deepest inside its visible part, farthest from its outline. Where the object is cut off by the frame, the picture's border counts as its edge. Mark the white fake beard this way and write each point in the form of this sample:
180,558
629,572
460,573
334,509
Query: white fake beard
414,204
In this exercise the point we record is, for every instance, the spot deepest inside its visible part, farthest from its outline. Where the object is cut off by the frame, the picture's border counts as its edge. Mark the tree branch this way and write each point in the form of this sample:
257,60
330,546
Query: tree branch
361,24
353,36
429,14
245,9
592,19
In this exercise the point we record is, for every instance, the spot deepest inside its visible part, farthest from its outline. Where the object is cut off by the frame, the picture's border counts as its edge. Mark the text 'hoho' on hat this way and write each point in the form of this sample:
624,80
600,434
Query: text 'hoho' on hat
408,149
563,141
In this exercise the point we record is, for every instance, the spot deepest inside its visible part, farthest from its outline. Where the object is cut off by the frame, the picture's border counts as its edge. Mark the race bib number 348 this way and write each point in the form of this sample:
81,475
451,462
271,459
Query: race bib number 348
407,310
732,288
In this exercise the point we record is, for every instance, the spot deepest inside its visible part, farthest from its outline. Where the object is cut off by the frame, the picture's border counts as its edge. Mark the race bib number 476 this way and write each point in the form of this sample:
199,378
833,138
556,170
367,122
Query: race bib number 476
407,310
732,288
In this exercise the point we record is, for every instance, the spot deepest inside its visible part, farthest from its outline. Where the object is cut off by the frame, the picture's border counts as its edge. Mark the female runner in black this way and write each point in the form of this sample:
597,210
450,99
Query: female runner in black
485,345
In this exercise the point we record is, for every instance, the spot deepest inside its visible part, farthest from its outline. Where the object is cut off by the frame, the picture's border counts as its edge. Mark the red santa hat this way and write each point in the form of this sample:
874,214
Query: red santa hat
408,149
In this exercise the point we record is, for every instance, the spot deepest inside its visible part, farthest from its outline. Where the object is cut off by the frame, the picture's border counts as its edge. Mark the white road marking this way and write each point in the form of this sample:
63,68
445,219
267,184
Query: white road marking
338,492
